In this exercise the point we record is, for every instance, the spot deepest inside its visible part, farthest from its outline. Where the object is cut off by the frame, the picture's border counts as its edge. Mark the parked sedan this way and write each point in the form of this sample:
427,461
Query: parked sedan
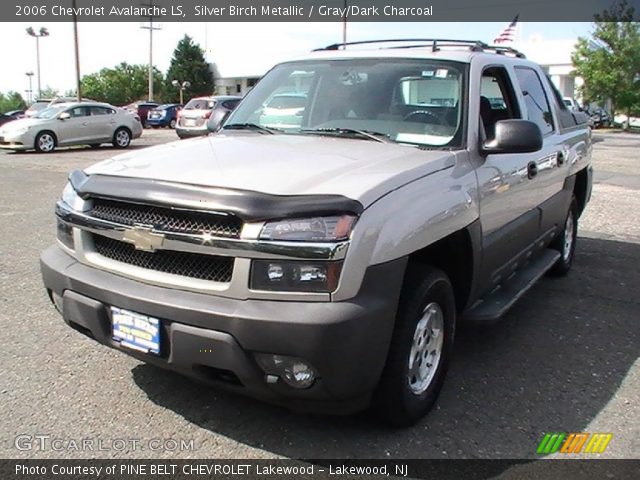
164,115
599,117
64,124
204,114
10,116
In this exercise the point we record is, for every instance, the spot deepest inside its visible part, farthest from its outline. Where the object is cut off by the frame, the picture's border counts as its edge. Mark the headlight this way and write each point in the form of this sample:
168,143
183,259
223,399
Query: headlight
19,131
71,197
294,276
318,229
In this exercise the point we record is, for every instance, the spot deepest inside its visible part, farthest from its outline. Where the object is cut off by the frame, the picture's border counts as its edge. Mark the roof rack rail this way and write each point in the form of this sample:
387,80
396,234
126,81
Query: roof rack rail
434,43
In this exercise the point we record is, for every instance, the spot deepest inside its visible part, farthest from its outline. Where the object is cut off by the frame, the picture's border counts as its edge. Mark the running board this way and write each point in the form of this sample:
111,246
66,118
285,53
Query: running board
491,308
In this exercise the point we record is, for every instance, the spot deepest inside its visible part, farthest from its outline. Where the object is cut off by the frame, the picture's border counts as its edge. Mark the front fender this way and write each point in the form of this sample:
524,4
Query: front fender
409,219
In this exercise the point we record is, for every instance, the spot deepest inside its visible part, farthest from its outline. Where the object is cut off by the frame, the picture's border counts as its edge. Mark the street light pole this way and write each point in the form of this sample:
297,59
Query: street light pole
182,86
30,91
43,32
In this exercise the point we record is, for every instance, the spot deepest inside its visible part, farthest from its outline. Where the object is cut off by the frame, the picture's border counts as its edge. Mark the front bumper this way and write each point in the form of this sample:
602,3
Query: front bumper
213,339
23,141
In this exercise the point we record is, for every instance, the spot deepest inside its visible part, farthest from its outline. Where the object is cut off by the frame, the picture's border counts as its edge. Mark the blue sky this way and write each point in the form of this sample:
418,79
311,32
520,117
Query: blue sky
237,48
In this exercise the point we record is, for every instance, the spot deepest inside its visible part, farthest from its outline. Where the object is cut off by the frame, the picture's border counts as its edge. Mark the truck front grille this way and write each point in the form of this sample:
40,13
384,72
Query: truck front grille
167,219
203,267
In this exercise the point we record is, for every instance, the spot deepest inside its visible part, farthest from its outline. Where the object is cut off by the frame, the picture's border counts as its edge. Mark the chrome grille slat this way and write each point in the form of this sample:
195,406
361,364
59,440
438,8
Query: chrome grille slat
203,267
167,219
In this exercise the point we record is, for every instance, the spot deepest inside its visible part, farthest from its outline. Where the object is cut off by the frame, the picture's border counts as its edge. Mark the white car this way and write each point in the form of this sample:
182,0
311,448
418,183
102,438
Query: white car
65,124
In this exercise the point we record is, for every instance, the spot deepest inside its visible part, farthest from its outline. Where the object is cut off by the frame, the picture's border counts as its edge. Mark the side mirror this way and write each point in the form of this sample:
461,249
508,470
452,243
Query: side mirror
64,116
514,136
216,120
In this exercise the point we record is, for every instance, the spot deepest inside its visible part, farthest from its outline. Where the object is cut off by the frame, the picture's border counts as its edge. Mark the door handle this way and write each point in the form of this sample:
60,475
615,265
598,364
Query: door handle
532,169
84,124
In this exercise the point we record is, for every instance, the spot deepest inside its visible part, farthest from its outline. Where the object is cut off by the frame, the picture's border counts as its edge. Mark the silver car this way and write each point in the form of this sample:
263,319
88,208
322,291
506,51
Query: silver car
73,123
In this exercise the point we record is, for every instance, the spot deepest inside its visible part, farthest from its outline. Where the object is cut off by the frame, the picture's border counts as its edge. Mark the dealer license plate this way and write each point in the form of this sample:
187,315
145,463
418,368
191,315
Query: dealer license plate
136,331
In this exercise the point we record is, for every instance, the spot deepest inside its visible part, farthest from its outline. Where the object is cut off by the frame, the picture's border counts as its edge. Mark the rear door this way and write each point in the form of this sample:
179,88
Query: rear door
101,123
551,162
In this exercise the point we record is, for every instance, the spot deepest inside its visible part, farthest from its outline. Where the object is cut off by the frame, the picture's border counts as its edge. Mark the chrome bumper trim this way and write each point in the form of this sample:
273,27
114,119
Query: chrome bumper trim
208,245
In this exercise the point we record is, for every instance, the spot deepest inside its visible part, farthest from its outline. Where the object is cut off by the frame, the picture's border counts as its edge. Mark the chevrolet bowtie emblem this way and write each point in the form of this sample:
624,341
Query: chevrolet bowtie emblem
143,238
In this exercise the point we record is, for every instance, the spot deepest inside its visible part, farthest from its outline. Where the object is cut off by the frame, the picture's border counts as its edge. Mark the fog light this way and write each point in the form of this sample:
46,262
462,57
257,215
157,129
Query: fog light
290,276
293,371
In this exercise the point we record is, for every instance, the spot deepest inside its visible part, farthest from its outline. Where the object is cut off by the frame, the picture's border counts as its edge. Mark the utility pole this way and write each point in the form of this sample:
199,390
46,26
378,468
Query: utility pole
344,27
77,52
151,28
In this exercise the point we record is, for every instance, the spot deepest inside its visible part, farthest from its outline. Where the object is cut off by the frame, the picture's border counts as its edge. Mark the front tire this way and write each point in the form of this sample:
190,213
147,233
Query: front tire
45,142
421,348
565,242
122,138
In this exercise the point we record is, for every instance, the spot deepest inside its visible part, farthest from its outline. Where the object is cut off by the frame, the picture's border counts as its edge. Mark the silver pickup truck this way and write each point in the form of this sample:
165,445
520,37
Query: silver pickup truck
318,251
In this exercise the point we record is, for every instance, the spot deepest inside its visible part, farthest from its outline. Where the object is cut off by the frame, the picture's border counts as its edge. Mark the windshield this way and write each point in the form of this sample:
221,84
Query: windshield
407,101
200,104
50,112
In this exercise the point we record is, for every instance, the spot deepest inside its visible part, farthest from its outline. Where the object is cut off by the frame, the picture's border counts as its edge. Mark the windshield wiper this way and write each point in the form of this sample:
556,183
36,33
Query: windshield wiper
368,134
251,126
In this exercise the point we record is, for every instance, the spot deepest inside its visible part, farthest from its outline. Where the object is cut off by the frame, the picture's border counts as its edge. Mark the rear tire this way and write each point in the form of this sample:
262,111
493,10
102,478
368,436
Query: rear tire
121,138
420,350
45,142
565,242
172,124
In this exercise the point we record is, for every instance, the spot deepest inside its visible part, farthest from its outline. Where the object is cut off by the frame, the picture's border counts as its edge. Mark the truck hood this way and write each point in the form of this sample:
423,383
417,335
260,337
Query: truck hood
281,164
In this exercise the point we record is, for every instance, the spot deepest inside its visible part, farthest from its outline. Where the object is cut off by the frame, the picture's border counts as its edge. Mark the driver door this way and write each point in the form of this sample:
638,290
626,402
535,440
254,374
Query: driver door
74,129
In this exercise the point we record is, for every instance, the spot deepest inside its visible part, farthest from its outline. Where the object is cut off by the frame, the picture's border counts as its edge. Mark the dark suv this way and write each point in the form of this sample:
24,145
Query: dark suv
142,109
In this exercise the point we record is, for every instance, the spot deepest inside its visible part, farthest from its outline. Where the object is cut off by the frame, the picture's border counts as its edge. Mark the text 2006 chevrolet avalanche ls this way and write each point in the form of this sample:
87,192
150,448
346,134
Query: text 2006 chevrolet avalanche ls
317,253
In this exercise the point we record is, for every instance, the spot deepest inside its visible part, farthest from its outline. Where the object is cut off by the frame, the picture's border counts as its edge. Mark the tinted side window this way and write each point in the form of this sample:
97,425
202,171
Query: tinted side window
230,104
101,111
79,112
497,99
538,109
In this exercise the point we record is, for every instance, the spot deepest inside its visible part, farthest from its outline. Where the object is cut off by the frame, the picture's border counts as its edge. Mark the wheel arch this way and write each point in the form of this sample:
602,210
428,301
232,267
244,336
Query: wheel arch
121,127
458,255
582,189
49,131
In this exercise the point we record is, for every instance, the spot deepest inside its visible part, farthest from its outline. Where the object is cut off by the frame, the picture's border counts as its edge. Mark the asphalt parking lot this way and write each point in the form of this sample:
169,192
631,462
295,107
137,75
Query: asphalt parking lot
565,359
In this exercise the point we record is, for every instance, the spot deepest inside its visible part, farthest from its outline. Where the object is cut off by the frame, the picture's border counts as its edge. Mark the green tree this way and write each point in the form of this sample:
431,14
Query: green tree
11,101
47,93
120,85
188,64
609,61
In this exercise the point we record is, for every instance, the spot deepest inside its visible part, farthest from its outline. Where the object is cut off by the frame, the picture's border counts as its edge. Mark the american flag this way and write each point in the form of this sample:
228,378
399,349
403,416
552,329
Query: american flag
508,34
